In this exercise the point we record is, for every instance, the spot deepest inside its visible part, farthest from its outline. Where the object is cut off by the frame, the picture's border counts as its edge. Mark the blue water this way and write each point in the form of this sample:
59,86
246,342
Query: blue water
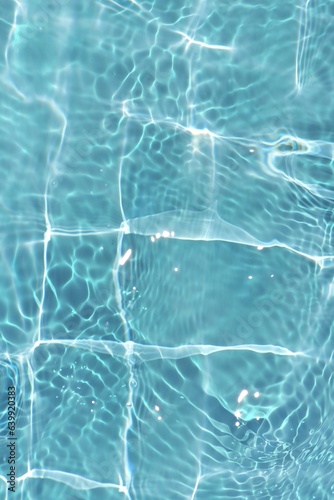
166,246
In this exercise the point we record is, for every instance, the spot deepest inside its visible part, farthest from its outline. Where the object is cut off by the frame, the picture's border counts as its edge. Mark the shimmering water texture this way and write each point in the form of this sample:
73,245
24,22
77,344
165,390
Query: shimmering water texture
167,261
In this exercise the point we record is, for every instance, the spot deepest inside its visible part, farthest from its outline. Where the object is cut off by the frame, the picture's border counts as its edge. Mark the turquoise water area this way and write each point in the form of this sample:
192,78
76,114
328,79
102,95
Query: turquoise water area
166,246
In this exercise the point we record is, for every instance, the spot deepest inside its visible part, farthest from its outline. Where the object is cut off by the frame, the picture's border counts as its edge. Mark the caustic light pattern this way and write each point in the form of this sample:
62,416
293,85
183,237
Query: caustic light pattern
166,239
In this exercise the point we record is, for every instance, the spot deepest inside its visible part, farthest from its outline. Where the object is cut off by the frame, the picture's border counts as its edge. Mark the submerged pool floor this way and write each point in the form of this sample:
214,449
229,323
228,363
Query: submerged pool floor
166,246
